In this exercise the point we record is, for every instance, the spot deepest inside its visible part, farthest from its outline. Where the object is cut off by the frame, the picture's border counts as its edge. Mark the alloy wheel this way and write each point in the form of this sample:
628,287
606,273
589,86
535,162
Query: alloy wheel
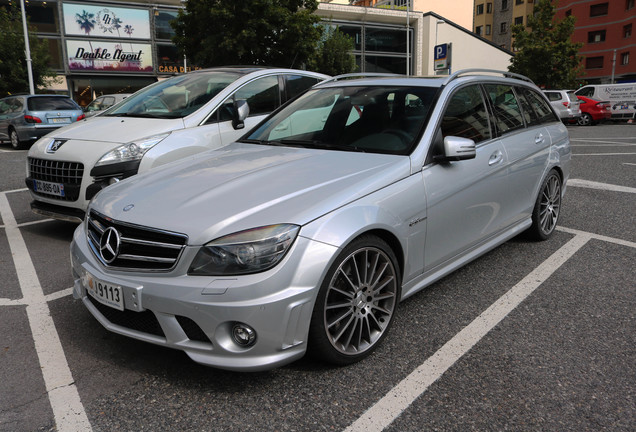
360,301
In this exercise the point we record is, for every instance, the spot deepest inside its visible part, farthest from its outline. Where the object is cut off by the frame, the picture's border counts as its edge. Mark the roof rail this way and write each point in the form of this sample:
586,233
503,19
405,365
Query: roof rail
491,71
358,75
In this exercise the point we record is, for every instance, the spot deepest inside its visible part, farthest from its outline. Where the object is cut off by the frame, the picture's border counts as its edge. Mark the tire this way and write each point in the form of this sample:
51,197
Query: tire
547,208
15,139
356,303
585,120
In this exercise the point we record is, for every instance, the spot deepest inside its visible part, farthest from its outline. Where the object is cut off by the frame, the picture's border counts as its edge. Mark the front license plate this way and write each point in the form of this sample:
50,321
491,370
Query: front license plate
105,293
60,120
49,188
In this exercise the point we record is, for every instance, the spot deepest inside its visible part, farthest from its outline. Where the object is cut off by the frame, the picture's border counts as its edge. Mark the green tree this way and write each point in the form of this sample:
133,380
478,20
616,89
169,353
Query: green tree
333,56
280,33
14,77
545,52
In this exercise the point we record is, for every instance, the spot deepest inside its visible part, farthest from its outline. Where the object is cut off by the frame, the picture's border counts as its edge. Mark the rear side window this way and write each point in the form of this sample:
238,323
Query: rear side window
553,96
297,84
539,110
466,115
572,96
50,104
507,111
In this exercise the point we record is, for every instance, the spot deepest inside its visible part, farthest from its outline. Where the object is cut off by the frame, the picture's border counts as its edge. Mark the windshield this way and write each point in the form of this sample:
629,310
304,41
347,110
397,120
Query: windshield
52,103
370,119
176,97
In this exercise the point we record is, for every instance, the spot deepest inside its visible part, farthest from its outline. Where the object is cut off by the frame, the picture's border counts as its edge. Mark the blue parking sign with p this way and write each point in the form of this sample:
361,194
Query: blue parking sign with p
441,51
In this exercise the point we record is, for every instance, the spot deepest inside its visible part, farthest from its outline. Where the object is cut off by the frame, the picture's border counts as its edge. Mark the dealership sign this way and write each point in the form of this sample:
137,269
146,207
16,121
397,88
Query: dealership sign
109,56
110,22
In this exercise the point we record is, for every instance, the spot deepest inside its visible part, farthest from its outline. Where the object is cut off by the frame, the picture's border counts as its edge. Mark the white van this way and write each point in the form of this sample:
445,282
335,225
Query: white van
622,97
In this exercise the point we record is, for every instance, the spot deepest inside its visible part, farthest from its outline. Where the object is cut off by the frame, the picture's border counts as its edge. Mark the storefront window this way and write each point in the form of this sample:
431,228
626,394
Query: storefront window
385,64
55,53
355,32
386,40
43,15
84,90
163,30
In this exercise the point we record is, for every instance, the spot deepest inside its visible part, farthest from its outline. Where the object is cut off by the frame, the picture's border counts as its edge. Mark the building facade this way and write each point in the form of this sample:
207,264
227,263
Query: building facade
604,28
106,47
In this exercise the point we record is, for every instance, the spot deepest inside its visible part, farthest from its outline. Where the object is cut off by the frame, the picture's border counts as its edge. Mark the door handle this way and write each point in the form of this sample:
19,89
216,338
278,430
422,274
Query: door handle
539,139
495,158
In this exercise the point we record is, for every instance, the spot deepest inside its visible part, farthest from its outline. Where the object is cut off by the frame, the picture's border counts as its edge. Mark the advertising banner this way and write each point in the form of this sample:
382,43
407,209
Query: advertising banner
109,22
109,56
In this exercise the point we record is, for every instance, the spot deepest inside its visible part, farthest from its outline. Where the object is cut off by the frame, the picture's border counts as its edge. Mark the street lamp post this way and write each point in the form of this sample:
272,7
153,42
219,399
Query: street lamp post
408,40
27,49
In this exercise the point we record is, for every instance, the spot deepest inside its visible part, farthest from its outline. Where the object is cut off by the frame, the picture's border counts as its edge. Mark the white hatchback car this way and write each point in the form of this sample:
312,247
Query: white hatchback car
308,231
161,123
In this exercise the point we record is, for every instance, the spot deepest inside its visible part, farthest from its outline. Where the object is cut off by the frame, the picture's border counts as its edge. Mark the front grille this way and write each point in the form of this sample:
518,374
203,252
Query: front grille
56,171
145,322
67,173
140,248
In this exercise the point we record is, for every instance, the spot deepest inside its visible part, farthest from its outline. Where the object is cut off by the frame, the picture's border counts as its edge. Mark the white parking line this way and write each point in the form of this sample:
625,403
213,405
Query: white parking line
600,186
65,401
387,409
603,154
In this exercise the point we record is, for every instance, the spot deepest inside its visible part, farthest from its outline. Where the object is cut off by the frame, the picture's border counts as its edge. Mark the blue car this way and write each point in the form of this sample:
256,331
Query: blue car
25,118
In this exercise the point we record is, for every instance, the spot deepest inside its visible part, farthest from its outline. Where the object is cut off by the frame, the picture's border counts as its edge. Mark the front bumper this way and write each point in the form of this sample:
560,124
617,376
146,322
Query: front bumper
196,314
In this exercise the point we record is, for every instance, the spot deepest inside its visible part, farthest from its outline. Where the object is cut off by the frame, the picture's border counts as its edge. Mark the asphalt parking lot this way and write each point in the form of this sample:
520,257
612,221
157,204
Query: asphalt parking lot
532,336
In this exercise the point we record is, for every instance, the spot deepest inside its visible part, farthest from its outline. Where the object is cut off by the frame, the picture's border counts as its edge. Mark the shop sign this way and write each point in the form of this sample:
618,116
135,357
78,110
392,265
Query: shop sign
110,22
109,56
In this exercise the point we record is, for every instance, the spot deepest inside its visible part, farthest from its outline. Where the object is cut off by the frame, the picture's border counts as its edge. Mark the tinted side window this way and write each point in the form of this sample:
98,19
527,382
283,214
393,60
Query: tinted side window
262,95
466,115
297,84
542,110
507,111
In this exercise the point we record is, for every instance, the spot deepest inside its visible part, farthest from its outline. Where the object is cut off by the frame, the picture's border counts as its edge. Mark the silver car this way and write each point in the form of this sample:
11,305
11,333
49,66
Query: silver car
308,231
565,103
25,118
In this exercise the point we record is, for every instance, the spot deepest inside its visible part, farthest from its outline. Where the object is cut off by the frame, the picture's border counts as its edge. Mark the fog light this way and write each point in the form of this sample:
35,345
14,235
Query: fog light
243,335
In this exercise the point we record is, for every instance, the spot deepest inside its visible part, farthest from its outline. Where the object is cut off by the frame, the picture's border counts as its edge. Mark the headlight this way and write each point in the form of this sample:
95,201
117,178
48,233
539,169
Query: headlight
131,151
250,251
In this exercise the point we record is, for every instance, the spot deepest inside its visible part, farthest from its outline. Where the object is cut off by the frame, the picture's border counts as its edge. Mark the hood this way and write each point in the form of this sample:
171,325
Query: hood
244,186
117,130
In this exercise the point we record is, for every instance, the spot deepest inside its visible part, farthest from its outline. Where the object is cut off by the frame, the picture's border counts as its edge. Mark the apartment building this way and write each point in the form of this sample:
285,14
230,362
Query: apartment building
604,28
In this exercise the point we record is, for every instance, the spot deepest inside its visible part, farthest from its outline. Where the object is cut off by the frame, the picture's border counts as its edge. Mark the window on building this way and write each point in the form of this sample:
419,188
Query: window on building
594,63
629,4
489,8
518,2
162,24
488,29
568,12
479,9
627,31
479,30
625,58
596,36
43,15
599,9
504,4
503,27
519,20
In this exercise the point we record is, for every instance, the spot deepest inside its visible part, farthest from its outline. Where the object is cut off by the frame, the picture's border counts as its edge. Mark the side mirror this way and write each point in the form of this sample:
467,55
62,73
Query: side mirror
456,149
241,111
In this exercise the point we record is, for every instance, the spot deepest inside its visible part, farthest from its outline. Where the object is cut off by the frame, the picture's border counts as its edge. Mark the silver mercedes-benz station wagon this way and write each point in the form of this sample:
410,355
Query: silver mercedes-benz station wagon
308,231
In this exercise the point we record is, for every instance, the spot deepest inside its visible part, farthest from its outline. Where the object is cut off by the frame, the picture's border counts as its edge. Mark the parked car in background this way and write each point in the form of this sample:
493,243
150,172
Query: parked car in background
621,97
594,111
161,123
104,102
25,118
565,104
308,231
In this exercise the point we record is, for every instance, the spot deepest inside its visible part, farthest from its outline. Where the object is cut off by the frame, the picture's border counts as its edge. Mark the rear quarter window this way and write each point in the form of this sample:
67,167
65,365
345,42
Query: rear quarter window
541,111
